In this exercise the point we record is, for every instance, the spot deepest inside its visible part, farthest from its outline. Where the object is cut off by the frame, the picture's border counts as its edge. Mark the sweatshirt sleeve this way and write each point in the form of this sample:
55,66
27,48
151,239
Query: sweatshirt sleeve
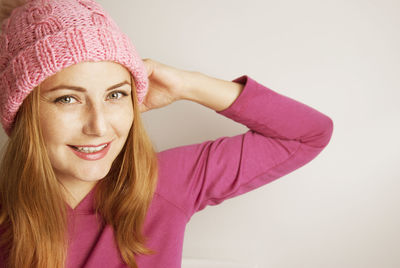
284,135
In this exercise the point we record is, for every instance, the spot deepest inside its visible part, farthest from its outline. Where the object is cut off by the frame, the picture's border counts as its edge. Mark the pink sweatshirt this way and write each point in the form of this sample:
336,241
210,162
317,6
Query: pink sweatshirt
283,136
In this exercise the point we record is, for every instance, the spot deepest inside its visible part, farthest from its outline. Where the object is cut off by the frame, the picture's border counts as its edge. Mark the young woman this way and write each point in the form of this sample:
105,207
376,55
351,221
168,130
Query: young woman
80,182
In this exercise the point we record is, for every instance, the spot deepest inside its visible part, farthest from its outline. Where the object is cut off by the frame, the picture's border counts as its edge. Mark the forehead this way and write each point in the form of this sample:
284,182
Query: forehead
86,74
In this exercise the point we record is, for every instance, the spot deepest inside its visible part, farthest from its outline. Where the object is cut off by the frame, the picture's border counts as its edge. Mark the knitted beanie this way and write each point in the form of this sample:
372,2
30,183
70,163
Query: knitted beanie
42,37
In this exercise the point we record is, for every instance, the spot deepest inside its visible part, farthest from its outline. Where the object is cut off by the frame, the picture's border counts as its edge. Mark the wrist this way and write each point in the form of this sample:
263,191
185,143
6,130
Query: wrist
189,82
214,93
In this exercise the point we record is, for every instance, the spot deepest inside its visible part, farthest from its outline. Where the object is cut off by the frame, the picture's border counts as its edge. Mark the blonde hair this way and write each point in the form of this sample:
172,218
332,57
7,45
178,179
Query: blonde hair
30,192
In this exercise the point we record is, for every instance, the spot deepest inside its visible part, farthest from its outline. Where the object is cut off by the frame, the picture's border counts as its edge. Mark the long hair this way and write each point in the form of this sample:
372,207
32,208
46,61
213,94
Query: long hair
30,193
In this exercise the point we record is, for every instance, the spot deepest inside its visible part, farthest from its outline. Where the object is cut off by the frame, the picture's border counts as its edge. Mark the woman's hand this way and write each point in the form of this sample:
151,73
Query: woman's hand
166,84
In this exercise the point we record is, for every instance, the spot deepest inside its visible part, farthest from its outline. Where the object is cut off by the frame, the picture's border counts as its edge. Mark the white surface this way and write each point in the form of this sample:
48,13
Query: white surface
205,263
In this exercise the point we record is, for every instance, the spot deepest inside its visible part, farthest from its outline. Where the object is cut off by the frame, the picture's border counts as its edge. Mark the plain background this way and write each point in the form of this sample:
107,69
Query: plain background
339,57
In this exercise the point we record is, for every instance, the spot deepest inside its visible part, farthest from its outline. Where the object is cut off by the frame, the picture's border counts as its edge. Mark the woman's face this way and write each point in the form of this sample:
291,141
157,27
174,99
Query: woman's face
99,110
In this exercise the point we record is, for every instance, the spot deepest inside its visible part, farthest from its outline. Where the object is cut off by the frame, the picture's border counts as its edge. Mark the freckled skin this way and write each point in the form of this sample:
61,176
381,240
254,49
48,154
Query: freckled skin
91,117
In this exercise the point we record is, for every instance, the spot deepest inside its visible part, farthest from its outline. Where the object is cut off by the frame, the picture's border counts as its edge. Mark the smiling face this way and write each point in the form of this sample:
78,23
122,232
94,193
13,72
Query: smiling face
98,111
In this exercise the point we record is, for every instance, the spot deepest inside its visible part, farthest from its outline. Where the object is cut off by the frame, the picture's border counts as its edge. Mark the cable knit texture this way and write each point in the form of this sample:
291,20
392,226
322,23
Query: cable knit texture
42,37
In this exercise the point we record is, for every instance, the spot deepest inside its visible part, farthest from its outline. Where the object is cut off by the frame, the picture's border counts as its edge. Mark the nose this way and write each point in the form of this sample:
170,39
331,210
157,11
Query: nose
96,121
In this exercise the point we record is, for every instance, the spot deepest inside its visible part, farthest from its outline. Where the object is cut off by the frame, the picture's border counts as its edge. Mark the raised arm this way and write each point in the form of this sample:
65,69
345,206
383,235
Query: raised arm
284,134
214,93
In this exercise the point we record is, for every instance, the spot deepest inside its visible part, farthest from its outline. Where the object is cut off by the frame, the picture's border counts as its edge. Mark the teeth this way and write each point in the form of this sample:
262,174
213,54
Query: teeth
90,149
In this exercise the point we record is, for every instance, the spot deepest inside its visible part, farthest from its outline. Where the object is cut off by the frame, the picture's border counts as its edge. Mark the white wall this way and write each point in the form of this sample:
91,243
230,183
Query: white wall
340,57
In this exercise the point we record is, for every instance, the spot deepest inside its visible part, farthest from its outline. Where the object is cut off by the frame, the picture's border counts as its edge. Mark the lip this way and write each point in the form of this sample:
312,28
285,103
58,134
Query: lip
92,156
91,145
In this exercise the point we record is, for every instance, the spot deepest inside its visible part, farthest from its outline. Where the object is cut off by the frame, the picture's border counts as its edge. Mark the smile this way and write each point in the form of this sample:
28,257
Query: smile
91,152
90,149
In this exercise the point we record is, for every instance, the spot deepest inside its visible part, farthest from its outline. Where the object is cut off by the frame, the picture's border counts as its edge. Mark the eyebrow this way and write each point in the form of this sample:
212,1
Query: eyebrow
81,89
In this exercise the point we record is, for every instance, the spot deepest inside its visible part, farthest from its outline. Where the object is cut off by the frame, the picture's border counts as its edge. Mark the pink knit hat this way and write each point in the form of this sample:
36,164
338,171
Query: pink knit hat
42,37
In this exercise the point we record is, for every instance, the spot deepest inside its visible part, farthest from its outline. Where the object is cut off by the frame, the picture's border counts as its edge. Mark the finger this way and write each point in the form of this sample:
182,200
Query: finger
142,108
149,68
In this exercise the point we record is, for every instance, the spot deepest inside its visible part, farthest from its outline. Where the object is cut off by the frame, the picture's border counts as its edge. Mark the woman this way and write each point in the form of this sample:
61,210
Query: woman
80,182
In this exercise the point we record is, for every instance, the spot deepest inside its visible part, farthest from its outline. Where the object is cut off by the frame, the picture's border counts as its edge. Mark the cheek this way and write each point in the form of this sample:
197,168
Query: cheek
122,119
56,126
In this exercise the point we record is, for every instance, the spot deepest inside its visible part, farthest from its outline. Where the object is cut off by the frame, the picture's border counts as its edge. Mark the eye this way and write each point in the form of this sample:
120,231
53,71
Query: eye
66,97
115,93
